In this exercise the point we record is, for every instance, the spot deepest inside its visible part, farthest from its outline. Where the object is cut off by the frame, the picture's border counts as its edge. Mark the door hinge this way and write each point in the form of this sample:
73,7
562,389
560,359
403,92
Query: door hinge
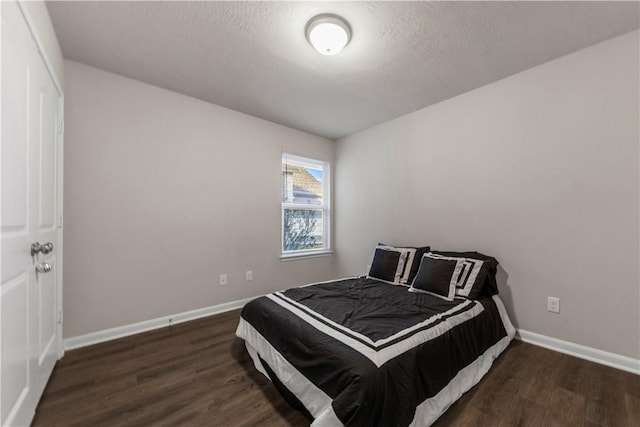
60,318
60,126
60,221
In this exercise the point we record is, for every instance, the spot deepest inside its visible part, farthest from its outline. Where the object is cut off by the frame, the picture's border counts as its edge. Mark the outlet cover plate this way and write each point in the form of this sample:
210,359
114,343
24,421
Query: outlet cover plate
553,304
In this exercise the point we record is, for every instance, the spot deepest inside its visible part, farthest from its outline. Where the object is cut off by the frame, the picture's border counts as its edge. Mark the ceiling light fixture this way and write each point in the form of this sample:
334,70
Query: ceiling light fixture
328,33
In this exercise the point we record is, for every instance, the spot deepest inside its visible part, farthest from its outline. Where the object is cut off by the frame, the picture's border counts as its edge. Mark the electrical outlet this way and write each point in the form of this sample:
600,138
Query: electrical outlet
248,275
223,280
553,304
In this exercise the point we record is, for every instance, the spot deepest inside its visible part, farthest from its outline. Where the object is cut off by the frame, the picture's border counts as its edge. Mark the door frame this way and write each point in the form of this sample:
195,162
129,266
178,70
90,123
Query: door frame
59,171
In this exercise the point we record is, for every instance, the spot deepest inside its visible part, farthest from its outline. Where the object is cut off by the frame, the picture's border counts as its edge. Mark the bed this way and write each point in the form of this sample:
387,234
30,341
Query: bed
362,351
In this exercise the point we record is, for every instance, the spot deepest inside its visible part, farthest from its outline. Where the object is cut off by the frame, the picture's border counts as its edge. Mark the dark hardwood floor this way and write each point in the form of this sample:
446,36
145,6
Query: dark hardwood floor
199,374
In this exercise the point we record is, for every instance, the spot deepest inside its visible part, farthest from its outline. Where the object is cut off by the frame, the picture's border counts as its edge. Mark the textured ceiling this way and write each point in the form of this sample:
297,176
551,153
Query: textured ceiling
253,57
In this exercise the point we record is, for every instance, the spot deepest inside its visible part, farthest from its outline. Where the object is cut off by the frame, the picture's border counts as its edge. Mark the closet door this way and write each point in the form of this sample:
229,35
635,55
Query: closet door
28,302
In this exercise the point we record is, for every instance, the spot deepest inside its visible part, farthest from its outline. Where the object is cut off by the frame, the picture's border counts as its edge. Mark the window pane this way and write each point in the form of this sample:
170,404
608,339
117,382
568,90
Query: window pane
302,229
302,184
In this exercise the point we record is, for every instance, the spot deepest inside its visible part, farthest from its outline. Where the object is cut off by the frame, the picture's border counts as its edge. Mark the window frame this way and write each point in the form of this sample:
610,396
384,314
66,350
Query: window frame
325,207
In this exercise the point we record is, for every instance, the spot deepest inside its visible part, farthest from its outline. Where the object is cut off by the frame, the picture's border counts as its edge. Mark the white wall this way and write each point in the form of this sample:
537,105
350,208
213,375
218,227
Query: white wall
540,170
163,193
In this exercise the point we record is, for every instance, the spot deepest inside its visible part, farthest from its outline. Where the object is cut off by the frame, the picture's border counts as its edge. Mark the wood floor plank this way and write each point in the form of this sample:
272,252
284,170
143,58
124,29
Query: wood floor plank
568,407
198,374
632,409
523,412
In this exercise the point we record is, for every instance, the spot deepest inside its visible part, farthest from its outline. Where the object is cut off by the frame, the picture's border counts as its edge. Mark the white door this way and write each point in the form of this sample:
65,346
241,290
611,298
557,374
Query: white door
29,312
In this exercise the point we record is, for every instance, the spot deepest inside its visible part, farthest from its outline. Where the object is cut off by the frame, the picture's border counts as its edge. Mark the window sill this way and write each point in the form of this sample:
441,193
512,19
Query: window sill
304,255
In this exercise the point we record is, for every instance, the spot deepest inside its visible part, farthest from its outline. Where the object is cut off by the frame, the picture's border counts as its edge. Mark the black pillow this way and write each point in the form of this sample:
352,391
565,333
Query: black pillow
387,264
478,276
437,276
413,261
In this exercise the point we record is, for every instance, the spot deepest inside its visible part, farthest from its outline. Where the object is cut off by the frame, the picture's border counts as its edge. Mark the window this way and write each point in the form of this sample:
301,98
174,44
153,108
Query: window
305,205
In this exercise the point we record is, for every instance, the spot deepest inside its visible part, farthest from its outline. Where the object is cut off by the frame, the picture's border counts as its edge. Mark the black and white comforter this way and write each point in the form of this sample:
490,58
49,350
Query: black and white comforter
360,352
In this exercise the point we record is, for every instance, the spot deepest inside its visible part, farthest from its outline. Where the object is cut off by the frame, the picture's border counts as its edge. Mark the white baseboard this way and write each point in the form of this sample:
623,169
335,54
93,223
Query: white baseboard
617,361
148,325
591,354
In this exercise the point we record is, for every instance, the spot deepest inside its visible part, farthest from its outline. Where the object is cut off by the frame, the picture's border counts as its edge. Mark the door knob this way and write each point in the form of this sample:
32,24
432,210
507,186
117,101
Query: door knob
37,247
44,267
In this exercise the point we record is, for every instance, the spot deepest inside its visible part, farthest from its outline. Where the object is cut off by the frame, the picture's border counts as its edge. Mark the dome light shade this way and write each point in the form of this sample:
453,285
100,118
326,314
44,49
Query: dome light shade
328,34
